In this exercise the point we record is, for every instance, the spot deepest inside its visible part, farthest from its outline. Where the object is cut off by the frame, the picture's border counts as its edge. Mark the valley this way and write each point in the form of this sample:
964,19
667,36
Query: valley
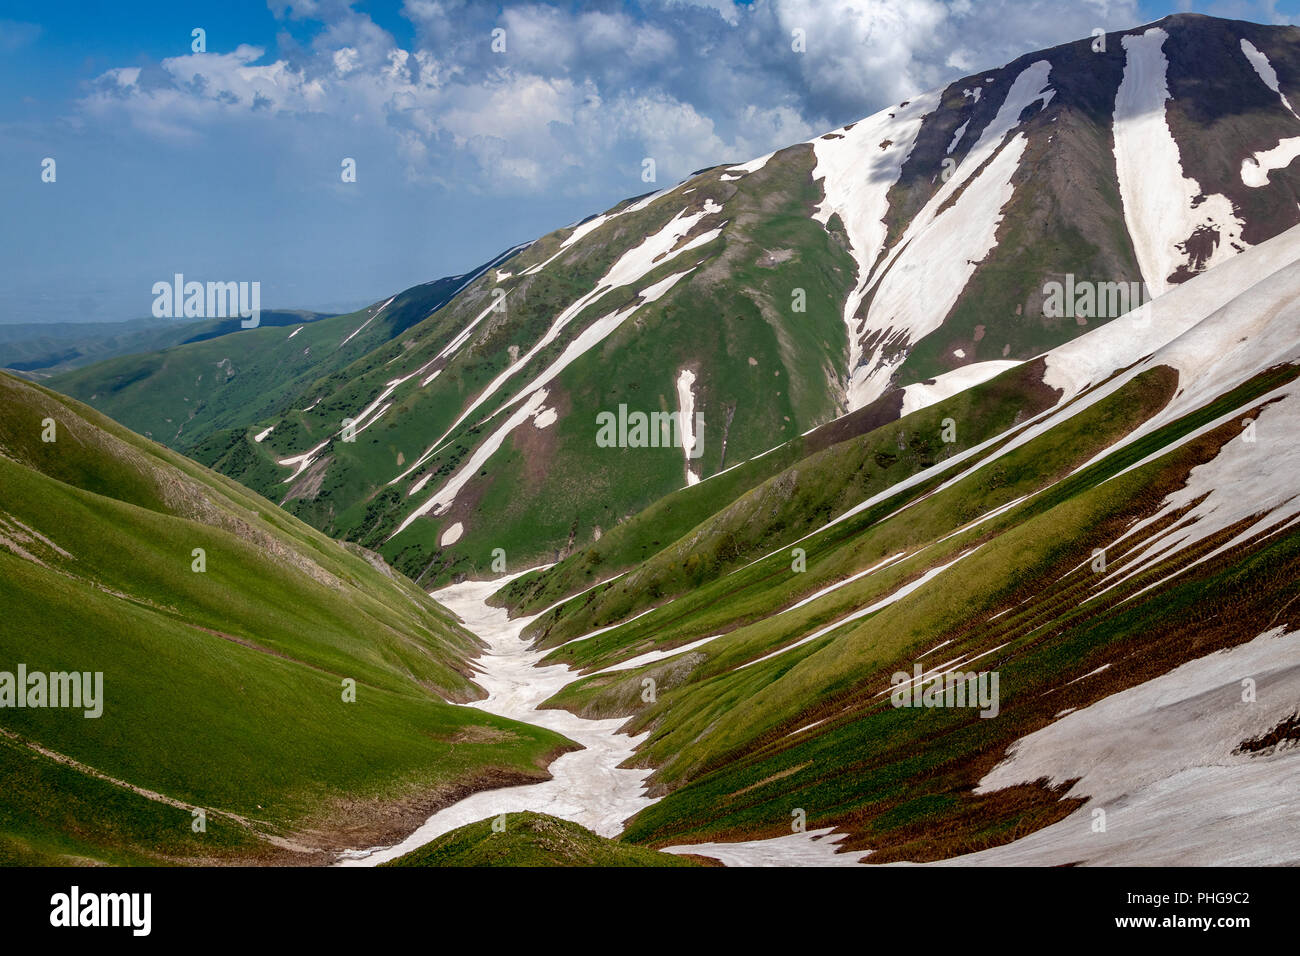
924,492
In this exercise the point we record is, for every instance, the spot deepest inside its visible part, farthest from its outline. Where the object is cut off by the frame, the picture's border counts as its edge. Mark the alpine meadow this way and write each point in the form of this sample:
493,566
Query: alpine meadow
923,491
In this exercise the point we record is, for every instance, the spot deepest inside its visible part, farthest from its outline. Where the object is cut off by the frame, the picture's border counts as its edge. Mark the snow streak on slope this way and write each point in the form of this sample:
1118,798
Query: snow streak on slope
650,657
830,588
447,494
1255,168
448,352
1266,73
744,169
863,612
957,228
301,463
923,394
580,232
1255,330
589,338
1095,356
956,137
813,848
1253,476
651,252
594,334
1173,225
686,420
458,341
367,322
857,174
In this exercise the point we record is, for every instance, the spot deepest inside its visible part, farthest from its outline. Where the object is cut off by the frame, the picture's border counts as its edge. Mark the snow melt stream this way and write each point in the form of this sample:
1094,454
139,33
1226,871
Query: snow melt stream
586,786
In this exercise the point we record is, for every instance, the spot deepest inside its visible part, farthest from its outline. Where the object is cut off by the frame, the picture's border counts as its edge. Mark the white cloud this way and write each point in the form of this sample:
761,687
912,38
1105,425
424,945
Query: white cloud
579,97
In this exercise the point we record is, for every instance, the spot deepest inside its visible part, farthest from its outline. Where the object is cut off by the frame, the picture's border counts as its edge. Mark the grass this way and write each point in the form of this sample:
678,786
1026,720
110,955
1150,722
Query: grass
223,689
732,748
533,839
779,511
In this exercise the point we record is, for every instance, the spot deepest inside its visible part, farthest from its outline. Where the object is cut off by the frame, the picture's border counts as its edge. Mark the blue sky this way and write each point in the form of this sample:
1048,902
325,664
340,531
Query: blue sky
226,164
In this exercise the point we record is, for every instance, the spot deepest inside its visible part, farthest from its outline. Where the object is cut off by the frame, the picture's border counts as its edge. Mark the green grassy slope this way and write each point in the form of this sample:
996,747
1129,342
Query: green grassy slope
744,521
224,688
739,739
40,350
533,839
204,391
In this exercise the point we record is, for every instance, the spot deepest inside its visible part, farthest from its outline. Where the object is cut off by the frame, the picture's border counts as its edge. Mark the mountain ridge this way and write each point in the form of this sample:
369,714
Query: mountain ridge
842,226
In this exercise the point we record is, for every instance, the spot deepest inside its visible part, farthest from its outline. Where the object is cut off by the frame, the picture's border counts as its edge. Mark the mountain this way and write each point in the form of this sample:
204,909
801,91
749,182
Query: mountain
871,271
190,394
225,634
989,554
40,350
1121,558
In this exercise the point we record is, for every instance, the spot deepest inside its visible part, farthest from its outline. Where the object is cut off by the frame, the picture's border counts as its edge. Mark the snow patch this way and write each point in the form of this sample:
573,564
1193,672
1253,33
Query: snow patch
1163,208
813,848
744,169
956,137
686,420
1159,758
651,656
959,226
1256,167
442,500
588,786
1266,73
301,463
923,394
856,175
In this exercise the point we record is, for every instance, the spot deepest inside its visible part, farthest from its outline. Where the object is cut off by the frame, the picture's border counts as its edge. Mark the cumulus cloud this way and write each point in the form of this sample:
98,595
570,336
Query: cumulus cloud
573,98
